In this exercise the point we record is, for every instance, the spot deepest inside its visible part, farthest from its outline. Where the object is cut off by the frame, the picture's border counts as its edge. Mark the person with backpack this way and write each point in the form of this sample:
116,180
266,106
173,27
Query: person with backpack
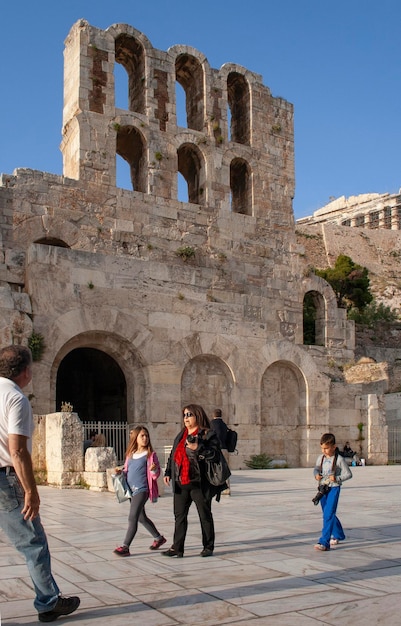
221,430
331,470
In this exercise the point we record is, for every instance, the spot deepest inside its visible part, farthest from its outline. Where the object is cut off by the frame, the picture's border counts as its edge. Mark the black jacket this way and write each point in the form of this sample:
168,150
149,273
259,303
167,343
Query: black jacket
208,447
220,428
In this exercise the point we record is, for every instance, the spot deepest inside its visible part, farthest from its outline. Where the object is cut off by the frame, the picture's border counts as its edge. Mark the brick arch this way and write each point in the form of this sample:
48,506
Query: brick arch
46,229
283,412
251,77
207,380
317,290
132,50
239,102
131,146
316,283
191,165
119,350
241,187
314,319
189,73
119,29
130,53
102,328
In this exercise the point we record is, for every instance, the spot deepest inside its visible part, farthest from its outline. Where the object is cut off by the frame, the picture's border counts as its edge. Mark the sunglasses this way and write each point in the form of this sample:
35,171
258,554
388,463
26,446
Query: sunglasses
188,414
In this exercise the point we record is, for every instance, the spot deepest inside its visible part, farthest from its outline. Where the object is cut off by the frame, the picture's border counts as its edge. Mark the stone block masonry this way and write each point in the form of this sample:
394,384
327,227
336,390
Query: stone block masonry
146,302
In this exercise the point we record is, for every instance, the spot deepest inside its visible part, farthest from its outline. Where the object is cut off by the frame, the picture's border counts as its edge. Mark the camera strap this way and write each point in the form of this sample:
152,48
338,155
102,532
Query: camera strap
334,465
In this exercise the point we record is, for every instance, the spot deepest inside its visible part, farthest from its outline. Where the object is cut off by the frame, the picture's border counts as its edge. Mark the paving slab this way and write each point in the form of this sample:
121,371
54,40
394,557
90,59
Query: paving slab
264,571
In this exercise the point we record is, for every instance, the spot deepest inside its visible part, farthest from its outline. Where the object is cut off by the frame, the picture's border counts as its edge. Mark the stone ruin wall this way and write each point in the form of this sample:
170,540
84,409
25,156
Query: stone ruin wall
91,265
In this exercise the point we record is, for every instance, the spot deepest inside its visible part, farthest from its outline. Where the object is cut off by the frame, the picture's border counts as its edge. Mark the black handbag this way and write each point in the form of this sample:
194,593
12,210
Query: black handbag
217,470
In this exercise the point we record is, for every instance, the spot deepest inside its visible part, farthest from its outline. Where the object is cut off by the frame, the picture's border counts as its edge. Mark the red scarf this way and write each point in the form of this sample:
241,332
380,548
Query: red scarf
181,459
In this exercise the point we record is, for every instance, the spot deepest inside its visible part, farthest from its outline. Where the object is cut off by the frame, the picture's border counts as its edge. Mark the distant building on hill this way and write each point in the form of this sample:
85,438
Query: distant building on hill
368,210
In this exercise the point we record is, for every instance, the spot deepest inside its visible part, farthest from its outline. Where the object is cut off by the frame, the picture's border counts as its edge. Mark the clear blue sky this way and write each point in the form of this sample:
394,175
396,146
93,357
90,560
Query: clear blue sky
339,63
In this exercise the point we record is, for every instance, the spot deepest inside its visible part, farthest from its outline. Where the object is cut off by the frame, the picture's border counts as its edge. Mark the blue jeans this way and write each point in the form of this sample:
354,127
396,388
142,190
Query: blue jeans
331,524
30,539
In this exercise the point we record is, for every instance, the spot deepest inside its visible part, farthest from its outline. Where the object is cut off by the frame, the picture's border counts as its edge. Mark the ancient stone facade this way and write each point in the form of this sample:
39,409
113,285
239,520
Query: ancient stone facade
147,303
368,210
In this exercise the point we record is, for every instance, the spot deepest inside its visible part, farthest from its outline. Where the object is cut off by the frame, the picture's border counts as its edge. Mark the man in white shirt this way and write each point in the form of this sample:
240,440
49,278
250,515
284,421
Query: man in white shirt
19,497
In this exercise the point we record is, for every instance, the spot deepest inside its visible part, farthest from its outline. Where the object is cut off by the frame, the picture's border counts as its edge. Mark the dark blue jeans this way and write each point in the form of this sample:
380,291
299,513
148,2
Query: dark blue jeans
30,539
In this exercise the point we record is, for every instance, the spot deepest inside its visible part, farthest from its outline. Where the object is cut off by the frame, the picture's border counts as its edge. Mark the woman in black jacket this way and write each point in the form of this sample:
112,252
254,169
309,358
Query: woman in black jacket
186,471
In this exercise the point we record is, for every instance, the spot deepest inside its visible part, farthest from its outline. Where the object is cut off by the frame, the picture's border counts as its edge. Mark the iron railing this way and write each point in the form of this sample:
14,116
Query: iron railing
394,444
116,434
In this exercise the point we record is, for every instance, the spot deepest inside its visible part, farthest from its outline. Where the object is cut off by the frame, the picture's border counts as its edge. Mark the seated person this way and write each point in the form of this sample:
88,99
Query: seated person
351,457
347,450
88,443
99,441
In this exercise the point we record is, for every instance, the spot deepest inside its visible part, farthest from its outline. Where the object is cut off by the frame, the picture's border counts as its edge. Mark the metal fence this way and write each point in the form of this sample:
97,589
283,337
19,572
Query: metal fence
116,434
394,444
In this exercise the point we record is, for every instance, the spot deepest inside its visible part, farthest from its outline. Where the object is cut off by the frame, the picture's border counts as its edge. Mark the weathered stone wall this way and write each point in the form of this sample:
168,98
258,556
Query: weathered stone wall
95,266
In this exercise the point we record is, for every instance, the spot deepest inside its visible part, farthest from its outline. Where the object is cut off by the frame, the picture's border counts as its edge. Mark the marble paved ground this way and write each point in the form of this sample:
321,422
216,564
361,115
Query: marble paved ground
264,572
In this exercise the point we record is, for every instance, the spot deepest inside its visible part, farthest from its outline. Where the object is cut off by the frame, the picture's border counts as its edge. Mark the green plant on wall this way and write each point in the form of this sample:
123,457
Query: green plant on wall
36,344
185,252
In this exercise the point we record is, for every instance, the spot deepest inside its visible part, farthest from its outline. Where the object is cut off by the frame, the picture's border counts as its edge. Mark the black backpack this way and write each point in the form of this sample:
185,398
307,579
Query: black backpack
231,440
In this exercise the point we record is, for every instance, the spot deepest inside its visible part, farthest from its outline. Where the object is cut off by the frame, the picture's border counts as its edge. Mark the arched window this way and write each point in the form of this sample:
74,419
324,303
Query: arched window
131,147
191,167
314,319
239,104
129,52
189,74
241,187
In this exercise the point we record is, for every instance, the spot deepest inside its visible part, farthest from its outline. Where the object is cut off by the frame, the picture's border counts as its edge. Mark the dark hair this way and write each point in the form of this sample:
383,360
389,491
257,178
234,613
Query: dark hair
217,413
14,360
327,438
202,419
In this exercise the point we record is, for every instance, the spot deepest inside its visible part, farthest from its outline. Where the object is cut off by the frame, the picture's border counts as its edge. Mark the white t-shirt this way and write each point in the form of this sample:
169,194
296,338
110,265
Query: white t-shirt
15,417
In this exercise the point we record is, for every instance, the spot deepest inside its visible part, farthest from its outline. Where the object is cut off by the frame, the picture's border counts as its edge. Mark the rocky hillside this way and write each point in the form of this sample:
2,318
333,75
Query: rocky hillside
378,250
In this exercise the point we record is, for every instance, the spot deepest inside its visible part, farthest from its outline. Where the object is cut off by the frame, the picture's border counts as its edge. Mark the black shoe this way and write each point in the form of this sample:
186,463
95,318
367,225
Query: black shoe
63,606
172,552
206,552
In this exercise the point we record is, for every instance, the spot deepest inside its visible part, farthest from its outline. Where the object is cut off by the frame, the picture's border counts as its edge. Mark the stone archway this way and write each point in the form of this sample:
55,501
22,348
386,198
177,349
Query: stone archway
93,382
283,412
208,381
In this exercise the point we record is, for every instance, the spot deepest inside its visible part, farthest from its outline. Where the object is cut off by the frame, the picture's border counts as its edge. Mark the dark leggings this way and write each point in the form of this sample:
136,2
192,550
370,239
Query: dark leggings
137,514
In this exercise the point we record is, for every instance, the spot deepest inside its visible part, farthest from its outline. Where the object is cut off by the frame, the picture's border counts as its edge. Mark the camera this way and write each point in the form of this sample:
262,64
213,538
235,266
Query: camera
192,439
322,490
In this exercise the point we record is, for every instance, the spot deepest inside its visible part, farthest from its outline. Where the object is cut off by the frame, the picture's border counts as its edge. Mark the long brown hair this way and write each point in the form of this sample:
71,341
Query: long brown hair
202,419
133,443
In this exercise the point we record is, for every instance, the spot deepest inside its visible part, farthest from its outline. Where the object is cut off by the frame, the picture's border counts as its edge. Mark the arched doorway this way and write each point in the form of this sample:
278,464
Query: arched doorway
283,412
93,382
